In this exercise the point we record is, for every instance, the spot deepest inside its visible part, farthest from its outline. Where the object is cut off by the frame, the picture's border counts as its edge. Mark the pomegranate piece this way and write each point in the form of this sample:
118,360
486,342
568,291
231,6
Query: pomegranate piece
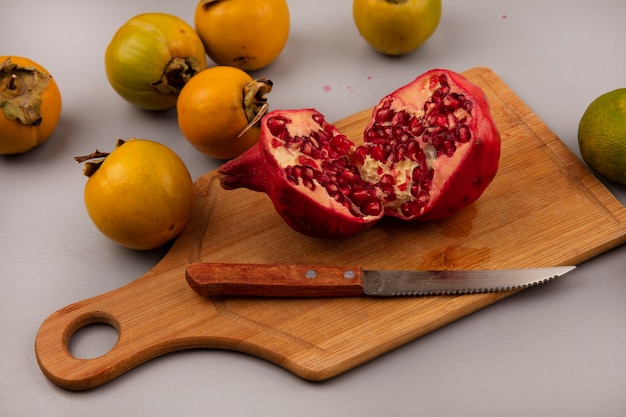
431,147
429,150
303,164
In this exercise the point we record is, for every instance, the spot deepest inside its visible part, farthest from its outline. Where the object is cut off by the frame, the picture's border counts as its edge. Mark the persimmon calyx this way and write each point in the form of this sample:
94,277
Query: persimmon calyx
254,97
176,74
254,102
20,92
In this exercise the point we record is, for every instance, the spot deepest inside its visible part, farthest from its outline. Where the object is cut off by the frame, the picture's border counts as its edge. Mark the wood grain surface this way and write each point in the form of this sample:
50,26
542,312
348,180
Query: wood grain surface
544,208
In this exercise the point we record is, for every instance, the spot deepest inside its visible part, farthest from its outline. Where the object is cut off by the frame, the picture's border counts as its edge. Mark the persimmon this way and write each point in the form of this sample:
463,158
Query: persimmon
218,111
140,195
247,34
151,57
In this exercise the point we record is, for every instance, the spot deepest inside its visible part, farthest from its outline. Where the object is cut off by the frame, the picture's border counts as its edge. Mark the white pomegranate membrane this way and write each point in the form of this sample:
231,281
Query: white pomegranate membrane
430,149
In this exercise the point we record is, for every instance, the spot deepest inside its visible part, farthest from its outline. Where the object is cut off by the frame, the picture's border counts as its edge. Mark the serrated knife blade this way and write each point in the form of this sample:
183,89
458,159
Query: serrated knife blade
295,280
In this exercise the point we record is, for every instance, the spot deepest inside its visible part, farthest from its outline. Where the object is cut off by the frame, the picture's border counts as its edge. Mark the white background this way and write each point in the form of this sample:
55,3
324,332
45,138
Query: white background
557,350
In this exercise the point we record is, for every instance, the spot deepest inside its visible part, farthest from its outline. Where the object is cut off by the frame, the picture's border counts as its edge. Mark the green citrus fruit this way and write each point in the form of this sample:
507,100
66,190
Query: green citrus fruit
602,135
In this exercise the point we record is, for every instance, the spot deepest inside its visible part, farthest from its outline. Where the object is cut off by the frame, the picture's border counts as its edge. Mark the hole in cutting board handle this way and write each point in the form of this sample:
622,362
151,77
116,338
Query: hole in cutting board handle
92,336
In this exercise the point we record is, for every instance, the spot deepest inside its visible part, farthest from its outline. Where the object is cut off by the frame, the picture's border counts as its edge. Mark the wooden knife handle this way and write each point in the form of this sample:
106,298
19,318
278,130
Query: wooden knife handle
275,280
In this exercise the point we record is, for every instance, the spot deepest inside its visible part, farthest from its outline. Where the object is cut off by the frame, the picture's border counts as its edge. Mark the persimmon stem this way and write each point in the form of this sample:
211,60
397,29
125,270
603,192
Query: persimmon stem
95,159
93,155
255,120
11,84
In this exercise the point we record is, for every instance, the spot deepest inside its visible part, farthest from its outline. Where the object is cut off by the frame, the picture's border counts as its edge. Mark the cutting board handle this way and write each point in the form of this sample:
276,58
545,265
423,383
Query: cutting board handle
138,311
67,371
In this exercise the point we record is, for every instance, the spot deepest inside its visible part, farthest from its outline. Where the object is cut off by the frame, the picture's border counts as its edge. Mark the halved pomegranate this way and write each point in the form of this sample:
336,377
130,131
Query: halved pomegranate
431,147
430,150
304,164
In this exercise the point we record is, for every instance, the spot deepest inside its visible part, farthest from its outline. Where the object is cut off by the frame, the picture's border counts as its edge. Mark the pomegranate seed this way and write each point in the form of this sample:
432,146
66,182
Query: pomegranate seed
314,140
410,208
434,80
339,146
318,118
436,98
372,208
399,119
277,124
384,115
423,198
420,172
416,127
464,134
360,154
324,179
291,175
303,160
399,154
372,135
378,153
308,172
359,196
306,149
324,136
411,150
308,184
399,133
452,101
449,148
441,120
451,122
348,176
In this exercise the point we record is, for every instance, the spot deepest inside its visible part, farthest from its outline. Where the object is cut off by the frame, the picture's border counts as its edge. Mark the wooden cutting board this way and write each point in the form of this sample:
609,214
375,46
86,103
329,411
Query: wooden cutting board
544,208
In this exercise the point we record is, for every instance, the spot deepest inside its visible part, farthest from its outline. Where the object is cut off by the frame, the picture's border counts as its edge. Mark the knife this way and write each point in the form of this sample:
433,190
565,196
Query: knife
295,280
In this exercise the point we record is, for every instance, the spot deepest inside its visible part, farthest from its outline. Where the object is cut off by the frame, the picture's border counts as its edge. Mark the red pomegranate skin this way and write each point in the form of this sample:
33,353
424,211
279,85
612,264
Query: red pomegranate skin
430,149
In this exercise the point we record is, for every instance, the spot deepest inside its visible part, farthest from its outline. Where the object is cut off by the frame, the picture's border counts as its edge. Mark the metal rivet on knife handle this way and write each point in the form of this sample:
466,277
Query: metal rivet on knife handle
349,274
310,274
